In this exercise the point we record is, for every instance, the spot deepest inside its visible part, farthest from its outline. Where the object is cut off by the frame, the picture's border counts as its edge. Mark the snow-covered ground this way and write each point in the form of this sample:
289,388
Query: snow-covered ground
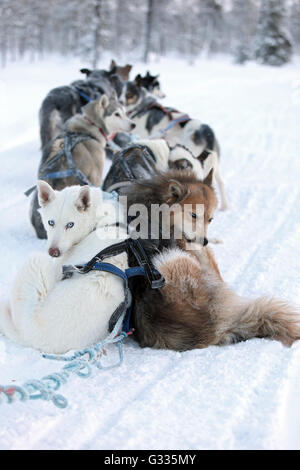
245,396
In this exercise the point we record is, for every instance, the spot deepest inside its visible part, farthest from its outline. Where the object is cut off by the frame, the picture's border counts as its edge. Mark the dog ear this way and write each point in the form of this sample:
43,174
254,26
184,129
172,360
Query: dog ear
113,65
127,70
83,201
176,192
138,80
208,180
45,193
86,71
104,101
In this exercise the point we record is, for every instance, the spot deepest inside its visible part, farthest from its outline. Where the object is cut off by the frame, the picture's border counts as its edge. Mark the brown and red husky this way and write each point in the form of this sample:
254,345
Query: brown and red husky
196,308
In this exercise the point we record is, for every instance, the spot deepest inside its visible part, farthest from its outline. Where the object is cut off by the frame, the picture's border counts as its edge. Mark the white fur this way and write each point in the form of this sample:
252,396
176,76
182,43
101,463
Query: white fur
158,93
183,135
161,151
177,153
211,162
54,315
118,121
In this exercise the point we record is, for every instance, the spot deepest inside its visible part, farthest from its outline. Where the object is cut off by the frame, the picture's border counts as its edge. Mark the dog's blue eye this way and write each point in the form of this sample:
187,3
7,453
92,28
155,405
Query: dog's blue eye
118,115
194,215
51,223
209,220
70,225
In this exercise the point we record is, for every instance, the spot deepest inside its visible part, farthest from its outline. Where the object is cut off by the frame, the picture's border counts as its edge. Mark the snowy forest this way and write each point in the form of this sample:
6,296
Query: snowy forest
267,31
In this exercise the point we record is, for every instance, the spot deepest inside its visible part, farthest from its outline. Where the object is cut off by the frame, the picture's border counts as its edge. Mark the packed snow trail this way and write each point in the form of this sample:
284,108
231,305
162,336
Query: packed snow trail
243,396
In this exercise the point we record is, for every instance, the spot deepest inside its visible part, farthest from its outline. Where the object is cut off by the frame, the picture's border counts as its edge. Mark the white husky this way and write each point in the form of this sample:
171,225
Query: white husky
55,315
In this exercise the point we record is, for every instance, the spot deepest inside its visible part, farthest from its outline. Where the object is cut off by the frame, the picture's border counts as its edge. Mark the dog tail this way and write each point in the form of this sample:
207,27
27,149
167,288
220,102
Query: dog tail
50,121
197,309
262,318
205,137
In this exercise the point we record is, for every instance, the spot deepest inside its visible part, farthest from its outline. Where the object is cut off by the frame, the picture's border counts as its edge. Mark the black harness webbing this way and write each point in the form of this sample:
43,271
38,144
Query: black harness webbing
70,142
145,268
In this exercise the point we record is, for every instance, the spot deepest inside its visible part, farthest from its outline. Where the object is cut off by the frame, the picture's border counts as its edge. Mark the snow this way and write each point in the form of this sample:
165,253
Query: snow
243,396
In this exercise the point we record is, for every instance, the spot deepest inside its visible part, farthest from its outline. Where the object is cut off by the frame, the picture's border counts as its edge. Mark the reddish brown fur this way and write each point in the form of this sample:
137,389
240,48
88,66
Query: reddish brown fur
196,309
122,71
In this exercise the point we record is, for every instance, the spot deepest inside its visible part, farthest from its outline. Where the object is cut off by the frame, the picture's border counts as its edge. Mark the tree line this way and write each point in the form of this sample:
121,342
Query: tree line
265,30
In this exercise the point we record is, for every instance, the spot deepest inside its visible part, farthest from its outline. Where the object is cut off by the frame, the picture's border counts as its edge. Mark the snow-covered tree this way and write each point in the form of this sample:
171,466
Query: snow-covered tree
294,24
211,25
273,46
130,30
242,24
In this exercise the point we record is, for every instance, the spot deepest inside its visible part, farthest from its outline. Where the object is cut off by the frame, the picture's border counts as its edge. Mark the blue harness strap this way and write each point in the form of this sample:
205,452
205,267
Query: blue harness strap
82,94
70,141
58,174
129,273
81,362
172,123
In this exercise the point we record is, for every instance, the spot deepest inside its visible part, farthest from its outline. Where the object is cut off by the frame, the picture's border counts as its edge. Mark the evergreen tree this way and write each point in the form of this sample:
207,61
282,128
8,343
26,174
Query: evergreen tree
149,28
294,23
130,30
242,25
211,26
273,46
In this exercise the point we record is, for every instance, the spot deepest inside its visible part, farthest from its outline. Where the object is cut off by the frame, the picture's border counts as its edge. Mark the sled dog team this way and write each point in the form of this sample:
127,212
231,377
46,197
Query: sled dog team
160,156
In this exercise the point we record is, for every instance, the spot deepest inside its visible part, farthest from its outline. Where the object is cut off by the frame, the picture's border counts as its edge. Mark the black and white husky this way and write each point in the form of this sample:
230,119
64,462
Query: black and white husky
151,83
154,120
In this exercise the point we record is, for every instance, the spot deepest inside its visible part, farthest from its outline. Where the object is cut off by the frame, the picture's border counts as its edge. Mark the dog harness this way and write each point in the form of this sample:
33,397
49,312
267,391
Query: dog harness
70,142
82,94
144,268
151,103
81,362
147,162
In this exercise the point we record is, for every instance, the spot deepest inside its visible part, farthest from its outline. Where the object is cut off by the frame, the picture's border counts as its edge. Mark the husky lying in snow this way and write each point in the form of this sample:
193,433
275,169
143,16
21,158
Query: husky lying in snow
196,308
55,315
98,119
151,118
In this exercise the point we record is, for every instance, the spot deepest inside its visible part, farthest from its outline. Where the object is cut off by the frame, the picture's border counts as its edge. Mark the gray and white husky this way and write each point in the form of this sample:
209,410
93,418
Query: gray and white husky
98,120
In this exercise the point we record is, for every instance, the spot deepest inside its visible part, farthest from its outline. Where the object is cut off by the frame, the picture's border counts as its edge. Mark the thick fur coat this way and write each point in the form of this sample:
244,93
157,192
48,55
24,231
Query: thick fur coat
55,315
196,308
98,118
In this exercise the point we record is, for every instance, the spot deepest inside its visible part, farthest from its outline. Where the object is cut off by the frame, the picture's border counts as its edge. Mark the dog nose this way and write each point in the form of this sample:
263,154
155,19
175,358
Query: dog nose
205,241
54,252
133,126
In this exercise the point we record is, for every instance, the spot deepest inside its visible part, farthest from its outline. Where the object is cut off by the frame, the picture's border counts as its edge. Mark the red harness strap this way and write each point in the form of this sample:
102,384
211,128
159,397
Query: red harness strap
99,129
164,110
